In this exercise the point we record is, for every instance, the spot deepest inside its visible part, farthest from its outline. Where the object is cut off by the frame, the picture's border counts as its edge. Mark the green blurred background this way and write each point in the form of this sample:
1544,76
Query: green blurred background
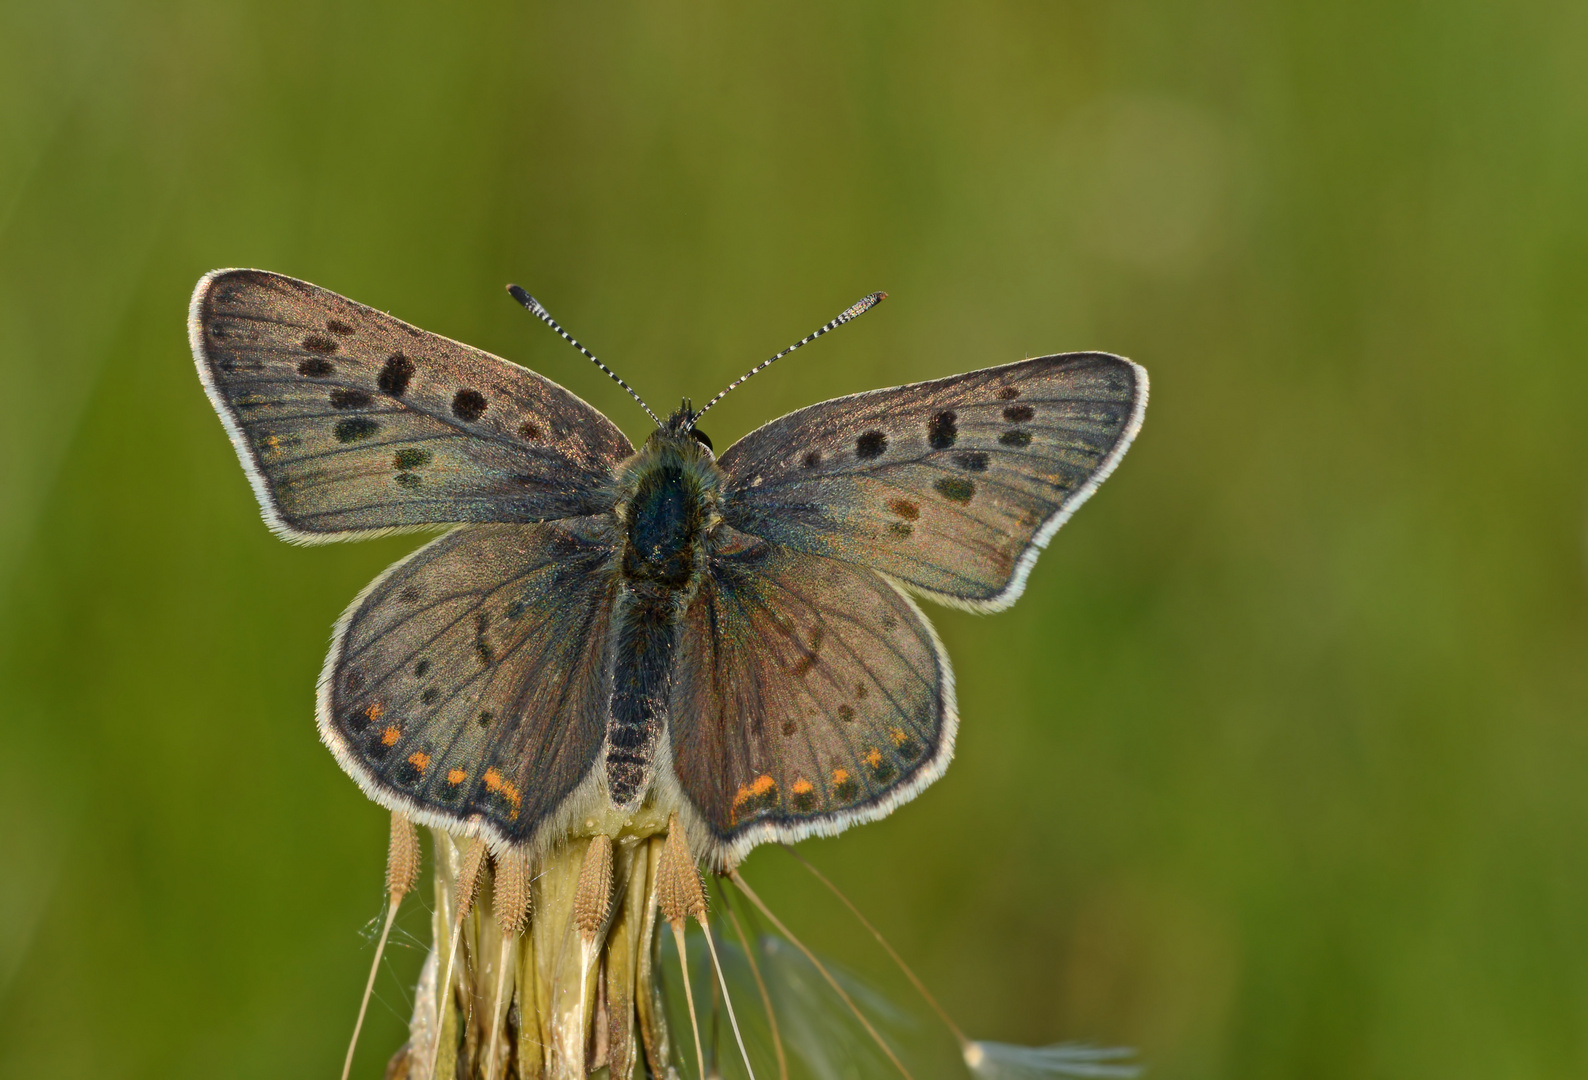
1277,770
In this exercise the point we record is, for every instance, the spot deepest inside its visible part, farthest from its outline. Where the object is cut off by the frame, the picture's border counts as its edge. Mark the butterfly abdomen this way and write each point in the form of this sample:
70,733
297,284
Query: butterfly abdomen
667,506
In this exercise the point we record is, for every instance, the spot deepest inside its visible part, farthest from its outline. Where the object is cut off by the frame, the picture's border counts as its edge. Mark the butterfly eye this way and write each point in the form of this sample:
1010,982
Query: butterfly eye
703,439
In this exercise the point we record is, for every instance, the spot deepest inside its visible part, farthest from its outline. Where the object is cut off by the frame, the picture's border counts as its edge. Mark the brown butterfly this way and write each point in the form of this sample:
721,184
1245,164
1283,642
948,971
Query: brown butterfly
732,638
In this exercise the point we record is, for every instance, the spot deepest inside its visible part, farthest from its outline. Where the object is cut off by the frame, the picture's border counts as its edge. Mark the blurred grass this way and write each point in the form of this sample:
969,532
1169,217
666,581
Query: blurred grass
1277,768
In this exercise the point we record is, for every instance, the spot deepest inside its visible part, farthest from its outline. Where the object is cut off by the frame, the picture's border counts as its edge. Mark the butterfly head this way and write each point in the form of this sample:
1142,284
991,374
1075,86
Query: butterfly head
681,425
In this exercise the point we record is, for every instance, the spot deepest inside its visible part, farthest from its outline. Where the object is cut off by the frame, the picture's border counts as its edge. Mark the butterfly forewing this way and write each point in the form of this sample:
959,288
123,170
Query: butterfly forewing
807,694
471,679
349,420
951,486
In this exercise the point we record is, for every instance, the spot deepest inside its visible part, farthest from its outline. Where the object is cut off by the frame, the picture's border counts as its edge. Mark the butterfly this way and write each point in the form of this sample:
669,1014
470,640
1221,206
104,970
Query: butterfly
734,638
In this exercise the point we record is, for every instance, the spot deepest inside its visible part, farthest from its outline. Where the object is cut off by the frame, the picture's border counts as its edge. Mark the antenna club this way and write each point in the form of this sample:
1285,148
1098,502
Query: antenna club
863,305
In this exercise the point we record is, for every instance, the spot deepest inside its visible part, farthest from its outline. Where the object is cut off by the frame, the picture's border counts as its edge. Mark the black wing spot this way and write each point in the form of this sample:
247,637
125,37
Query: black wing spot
883,771
316,367
942,432
409,480
428,695
804,798
1019,414
319,344
1009,393
468,405
485,718
790,727
395,374
530,430
812,459
901,529
410,458
955,489
354,681
905,509
909,749
338,327
845,713
972,461
860,690
844,787
1015,437
871,445
409,595
422,668
349,399
355,428
408,773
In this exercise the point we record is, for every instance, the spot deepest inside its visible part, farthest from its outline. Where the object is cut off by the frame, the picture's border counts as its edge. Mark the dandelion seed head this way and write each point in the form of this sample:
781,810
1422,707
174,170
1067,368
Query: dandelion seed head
1010,1061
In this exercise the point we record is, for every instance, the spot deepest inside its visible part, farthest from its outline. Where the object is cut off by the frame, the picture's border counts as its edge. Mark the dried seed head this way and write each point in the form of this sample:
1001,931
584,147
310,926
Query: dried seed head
469,874
402,858
592,898
510,894
402,872
678,891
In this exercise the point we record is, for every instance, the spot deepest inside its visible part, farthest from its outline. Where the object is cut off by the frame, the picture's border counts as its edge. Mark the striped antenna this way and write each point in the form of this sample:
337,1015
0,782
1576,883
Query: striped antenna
859,307
545,316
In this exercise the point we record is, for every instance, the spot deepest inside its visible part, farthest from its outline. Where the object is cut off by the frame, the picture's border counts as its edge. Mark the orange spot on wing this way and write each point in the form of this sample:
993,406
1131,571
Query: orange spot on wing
375,711
898,736
456,776
873,757
840,775
419,760
803,787
494,783
759,786
761,792
390,736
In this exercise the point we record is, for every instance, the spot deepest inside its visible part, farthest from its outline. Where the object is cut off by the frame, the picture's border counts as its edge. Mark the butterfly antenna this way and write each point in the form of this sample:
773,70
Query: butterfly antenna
858,308
544,316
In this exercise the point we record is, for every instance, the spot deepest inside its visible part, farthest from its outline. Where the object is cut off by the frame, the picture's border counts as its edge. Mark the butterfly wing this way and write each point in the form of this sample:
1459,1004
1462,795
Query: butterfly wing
952,486
348,420
470,681
807,695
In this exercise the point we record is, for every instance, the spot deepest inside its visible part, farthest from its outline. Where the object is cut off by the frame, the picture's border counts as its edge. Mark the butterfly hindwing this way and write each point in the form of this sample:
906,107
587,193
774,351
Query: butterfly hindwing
350,420
471,679
807,695
951,486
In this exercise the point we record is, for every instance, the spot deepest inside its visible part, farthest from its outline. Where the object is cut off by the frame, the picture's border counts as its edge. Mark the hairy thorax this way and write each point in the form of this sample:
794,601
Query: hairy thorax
667,506
667,511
